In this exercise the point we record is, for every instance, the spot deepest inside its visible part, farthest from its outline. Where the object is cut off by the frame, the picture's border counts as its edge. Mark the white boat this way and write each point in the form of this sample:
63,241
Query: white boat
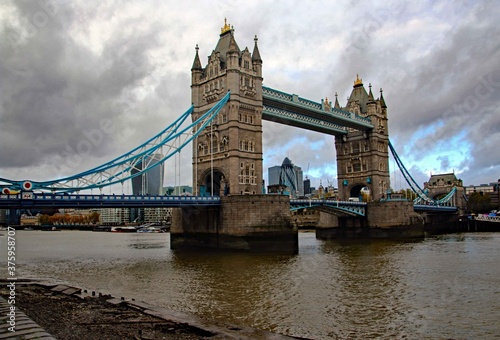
123,229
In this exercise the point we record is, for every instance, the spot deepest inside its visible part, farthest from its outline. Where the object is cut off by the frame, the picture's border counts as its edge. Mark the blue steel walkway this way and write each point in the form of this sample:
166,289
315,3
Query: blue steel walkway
28,200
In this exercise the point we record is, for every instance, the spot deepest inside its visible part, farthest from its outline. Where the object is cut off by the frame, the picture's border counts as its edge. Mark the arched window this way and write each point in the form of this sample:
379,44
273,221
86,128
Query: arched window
215,145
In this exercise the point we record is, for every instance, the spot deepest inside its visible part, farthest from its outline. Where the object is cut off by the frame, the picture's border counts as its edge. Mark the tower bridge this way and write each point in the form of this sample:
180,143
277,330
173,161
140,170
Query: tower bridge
229,103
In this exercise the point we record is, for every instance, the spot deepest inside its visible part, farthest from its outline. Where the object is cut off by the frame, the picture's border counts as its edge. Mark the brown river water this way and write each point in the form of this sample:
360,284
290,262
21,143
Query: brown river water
442,287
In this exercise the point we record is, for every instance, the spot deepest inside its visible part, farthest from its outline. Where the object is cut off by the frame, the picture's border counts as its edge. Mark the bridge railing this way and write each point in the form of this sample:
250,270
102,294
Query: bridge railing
121,198
488,218
286,97
427,207
328,202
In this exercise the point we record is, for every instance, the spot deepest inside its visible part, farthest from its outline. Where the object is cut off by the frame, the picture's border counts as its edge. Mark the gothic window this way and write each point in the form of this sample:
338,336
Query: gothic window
365,167
349,169
247,82
381,146
355,147
246,64
250,119
215,145
367,148
356,167
224,117
240,118
247,174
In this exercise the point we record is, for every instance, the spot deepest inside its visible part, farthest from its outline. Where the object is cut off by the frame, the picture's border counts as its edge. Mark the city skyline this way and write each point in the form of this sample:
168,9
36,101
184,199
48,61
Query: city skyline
288,174
83,83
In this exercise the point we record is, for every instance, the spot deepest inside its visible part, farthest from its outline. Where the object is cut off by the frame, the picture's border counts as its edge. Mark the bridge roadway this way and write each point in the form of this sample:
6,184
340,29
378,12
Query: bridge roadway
27,200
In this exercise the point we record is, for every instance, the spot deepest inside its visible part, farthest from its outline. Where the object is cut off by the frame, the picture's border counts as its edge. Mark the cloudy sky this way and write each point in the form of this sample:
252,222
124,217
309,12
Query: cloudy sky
117,72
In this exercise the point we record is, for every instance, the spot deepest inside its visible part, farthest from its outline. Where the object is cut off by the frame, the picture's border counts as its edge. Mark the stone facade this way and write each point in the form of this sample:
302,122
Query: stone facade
383,220
440,185
363,157
227,155
251,223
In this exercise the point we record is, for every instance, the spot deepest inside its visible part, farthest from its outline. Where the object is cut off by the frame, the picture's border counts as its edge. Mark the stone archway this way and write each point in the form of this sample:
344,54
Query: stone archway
217,179
359,191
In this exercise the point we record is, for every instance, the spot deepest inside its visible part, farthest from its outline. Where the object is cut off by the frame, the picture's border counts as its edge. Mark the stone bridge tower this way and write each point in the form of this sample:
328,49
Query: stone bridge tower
363,156
227,155
440,185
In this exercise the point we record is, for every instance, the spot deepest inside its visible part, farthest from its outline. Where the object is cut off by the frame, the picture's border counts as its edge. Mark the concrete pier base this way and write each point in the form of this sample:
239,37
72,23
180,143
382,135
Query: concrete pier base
392,219
251,223
442,223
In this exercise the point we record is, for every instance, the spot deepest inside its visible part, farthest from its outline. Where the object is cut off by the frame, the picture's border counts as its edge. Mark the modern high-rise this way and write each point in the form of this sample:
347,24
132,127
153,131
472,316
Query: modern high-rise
307,186
289,175
273,174
150,182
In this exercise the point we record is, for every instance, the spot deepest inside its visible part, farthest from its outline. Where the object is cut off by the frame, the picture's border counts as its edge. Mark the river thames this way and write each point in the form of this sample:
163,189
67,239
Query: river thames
439,287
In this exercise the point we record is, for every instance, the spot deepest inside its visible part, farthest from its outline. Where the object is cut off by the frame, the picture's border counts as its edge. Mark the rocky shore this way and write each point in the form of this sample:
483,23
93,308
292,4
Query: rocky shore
69,313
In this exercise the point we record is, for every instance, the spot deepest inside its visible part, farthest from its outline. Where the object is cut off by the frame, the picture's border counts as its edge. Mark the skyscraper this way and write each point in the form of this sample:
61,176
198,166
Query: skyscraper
289,175
150,182
274,174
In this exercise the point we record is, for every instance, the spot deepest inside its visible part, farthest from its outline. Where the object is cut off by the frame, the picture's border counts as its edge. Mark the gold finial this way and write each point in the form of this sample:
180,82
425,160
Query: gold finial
358,81
328,106
226,27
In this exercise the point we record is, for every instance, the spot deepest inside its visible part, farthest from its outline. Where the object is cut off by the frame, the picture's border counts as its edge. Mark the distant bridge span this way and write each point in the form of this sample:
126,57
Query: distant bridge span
31,200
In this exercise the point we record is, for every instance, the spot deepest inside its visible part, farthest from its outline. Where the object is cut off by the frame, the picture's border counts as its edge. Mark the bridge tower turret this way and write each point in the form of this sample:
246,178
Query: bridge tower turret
227,155
363,156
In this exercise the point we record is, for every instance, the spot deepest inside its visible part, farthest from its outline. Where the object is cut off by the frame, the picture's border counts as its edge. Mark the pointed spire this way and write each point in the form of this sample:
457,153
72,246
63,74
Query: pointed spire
370,94
382,101
256,53
196,62
233,47
337,105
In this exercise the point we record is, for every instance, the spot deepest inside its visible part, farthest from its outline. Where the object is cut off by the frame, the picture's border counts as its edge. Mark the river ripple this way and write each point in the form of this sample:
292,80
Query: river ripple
440,287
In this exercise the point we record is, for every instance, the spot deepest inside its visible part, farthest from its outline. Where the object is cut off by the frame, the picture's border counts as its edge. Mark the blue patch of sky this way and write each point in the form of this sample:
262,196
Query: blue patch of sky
456,149
317,145
421,136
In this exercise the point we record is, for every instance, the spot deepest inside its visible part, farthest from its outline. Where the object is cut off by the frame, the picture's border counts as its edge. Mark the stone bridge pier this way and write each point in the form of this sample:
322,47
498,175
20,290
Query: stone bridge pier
387,219
249,223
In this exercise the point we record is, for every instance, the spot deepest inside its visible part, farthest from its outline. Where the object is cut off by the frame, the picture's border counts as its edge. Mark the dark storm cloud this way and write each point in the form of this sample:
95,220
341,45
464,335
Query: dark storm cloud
59,97
97,78
456,89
